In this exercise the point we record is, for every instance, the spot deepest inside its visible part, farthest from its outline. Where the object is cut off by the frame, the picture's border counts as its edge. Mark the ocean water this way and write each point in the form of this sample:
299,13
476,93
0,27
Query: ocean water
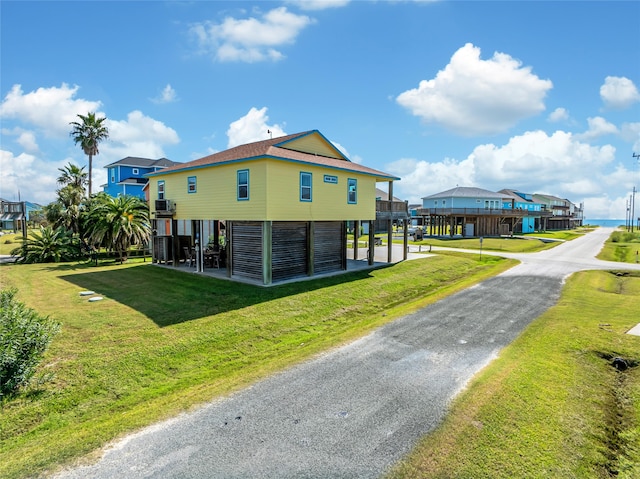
606,222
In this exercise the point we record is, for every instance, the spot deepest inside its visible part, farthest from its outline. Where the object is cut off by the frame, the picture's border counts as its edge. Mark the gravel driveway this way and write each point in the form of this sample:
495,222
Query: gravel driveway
355,411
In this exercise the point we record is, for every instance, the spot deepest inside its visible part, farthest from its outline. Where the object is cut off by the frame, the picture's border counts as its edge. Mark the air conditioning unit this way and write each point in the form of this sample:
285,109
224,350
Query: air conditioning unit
165,205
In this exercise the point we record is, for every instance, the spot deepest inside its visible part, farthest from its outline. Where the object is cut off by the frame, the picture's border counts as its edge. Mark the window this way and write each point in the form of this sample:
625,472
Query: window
135,171
161,190
352,191
113,174
331,179
305,186
243,184
191,184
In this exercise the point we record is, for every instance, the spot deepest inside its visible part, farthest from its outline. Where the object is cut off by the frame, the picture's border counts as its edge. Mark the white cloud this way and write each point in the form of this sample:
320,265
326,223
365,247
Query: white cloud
474,97
48,109
559,114
252,127
27,140
167,95
18,177
533,162
619,92
251,39
598,127
138,135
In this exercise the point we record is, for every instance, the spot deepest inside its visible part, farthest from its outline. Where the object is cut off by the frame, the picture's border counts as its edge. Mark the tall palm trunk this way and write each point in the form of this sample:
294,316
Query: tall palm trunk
90,172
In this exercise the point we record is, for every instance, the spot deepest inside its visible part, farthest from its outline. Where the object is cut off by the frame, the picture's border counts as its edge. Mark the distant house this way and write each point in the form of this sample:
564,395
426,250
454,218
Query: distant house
469,211
127,176
14,215
522,201
276,209
563,213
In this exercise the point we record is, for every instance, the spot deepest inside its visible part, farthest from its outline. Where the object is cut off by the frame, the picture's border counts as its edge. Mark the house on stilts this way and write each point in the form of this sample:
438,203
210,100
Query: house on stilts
269,211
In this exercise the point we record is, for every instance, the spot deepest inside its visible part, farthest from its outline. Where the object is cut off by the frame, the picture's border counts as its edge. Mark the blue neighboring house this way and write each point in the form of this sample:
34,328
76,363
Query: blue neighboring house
127,176
522,201
467,211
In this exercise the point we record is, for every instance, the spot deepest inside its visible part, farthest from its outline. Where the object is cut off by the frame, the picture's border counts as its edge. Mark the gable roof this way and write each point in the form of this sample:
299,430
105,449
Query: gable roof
137,162
465,192
309,147
518,195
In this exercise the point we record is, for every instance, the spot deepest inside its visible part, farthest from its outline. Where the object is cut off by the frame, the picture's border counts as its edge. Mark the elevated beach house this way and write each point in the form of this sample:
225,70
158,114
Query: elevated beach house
267,211
470,211
518,200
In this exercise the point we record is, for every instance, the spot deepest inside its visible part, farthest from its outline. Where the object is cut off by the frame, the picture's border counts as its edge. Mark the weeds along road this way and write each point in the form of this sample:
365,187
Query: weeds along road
356,410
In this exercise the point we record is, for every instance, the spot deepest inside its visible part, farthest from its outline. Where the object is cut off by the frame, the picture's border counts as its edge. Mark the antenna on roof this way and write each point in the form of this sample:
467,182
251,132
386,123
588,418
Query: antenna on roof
270,134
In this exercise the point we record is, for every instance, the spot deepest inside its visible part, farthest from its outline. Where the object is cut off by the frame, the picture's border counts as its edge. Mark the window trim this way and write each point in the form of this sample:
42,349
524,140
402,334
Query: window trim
239,185
193,183
355,191
161,191
135,171
306,174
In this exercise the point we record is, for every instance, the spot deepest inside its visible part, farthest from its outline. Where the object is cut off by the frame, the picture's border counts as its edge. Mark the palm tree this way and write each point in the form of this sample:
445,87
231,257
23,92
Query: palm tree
117,223
74,176
89,133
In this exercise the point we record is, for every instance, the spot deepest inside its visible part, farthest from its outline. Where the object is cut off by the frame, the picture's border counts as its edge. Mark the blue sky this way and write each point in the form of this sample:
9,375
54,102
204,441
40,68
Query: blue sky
541,97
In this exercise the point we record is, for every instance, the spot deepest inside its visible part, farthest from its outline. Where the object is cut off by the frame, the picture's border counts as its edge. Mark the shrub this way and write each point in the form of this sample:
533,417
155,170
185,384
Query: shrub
48,246
24,338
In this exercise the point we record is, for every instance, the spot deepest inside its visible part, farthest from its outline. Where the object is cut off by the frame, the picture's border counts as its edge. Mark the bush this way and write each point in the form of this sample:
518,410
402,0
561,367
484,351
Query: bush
24,338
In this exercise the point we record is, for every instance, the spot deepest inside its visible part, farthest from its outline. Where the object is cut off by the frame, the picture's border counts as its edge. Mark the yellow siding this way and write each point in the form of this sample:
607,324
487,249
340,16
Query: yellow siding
314,144
216,193
329,201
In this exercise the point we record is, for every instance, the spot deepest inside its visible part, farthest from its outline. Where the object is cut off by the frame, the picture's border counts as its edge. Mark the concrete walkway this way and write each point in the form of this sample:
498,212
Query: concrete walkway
355,411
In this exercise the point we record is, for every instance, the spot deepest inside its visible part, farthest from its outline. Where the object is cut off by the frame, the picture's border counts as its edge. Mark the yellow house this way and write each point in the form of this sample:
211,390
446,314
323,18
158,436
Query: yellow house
270,211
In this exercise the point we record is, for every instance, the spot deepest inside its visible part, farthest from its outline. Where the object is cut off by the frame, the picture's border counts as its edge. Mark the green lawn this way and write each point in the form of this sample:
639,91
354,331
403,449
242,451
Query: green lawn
552,405
9,242
164,341
623,246
511,245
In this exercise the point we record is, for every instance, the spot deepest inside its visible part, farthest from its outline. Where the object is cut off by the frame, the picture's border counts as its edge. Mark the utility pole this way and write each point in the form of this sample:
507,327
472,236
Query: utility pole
633,202
626,215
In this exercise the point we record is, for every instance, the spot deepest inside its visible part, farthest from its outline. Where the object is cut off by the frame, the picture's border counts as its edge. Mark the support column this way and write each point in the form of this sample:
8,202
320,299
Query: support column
267,229
311,233
356,238
389,241
175,244
405,242
372,245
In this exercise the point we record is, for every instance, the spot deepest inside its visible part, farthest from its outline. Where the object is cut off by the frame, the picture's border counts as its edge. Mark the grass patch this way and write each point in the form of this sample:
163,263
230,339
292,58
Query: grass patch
163,341
553,404
622,246
511,245
9,242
